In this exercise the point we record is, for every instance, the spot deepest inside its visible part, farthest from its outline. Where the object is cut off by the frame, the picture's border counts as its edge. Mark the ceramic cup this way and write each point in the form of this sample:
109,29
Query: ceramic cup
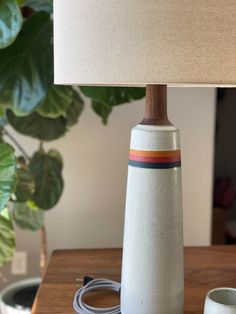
221,301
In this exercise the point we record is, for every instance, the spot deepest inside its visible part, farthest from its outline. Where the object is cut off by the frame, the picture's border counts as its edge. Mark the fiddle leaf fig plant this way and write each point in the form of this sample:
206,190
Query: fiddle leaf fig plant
7,186
25,186
7,174
28,218
113,96
105,98
26,66
7,237
57,102
39,5
33,106
47,171
36,126
11,22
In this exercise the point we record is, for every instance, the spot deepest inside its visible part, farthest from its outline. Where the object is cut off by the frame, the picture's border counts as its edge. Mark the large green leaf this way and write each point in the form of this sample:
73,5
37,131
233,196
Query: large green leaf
7,173
36,126
57,102
28,218
39,5
7,237
46,169
26,67
60,111
10,22
102,110
105,98
53,153
113,96
25,186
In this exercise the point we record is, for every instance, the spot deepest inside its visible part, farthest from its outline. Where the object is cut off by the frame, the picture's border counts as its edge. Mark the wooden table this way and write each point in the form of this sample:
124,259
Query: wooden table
205,268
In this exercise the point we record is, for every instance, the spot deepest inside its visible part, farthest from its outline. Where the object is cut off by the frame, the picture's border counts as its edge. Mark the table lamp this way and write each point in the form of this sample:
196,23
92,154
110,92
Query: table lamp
151,43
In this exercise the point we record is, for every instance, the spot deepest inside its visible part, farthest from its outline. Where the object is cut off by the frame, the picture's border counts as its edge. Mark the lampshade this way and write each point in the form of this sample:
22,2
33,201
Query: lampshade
138,42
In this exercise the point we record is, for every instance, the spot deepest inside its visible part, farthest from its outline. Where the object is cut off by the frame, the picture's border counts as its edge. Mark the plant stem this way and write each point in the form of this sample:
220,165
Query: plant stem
24,153
43,250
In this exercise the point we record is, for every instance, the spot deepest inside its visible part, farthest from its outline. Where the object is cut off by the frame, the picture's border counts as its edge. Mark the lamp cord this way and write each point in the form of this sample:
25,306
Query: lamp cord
95,285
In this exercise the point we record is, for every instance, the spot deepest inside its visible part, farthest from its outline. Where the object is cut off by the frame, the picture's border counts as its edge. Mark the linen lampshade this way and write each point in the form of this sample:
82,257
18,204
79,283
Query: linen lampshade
138,42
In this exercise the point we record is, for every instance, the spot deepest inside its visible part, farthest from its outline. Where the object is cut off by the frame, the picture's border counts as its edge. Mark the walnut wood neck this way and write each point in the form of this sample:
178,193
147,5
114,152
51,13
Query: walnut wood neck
156,106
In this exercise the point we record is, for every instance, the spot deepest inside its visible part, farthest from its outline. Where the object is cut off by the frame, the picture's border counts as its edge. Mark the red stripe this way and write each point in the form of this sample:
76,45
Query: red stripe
154,159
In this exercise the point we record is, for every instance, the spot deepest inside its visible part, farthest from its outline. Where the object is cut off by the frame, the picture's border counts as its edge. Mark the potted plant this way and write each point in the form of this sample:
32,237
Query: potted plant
32,105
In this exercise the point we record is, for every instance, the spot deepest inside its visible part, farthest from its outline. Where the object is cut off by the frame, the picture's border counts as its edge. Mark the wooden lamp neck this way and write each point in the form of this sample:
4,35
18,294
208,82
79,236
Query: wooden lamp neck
156,106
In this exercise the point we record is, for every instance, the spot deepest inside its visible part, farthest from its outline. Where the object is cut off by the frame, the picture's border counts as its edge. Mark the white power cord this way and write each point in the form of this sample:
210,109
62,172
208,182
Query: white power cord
95,285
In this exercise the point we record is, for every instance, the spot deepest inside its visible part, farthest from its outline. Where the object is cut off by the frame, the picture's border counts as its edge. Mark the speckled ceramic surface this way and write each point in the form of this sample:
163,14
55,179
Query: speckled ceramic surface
221,301
152,271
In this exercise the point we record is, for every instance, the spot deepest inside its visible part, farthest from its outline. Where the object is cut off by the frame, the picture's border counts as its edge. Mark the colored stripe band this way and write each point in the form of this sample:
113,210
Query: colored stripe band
155,153
155,159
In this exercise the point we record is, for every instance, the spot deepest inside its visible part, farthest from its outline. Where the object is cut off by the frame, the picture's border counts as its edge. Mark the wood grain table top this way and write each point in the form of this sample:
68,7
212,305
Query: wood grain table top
205,268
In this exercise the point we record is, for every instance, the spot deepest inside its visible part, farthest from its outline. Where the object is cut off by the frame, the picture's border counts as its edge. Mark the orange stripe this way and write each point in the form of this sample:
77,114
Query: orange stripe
143,153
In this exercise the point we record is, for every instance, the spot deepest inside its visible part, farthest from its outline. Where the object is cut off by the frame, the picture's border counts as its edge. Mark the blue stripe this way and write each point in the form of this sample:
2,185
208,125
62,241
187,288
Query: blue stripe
155,165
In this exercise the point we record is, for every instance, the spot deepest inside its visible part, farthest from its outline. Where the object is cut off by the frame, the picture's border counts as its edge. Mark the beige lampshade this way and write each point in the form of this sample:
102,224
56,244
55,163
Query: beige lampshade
137,42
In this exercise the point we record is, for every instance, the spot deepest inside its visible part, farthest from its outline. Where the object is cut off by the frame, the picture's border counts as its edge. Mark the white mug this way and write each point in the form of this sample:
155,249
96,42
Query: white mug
221,301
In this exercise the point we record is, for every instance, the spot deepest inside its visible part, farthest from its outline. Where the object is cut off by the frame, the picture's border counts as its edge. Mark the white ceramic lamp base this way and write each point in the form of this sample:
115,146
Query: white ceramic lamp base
152,272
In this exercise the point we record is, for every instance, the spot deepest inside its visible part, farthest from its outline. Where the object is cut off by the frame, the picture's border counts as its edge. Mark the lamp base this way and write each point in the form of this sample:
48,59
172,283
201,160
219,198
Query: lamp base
152,271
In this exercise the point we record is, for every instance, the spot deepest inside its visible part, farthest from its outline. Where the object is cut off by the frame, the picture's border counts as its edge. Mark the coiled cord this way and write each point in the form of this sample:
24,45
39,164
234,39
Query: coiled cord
94,285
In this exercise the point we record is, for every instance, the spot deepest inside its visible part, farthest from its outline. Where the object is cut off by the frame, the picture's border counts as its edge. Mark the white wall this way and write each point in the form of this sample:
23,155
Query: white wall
90,213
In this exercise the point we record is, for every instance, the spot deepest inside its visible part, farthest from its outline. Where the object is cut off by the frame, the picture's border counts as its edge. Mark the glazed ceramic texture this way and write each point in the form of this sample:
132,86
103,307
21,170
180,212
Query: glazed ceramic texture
221,301
152,273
